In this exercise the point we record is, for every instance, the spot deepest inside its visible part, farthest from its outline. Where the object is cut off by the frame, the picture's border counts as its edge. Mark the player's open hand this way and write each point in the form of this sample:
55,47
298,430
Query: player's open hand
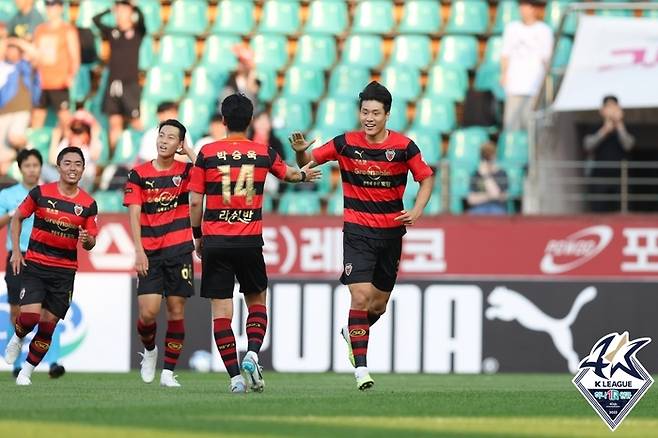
408,217
312,174
17,262
141,263
298,142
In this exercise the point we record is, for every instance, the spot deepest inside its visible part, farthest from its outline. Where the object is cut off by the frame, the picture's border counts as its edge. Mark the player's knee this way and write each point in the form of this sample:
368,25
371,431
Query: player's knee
147,317
360,300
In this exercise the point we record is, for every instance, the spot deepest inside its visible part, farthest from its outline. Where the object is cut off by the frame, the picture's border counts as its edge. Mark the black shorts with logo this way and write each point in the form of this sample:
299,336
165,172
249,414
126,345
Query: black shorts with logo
55,99
173,276
48,285
122,98
221,266
368,260
14,283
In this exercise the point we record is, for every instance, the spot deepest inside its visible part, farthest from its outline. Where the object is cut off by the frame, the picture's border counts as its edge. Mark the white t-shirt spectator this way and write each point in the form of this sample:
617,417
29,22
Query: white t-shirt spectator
528,49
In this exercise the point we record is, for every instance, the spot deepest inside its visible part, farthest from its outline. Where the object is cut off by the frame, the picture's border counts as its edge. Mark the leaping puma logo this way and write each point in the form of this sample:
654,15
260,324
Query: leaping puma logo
508,305
52,203
151,184
359,153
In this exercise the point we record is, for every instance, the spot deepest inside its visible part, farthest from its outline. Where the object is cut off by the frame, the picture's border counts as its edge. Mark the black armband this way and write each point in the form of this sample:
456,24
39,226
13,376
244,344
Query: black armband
196,232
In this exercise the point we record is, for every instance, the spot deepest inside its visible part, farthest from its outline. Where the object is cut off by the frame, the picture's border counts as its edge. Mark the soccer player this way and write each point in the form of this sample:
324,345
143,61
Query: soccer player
156,195
231,173
374,163
64,215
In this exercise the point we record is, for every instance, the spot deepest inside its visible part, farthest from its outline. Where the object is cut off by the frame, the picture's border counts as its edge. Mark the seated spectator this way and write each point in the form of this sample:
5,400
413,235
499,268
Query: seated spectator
26,20
216,131
19,90
147,148
488,187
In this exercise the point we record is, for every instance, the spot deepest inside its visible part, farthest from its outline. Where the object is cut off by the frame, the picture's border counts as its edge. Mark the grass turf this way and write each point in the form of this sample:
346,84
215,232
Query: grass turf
317,405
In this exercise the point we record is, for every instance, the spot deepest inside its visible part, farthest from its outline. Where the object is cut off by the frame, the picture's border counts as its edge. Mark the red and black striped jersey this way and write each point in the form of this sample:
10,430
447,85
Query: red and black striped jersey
374,178
54,238
164,199
231,173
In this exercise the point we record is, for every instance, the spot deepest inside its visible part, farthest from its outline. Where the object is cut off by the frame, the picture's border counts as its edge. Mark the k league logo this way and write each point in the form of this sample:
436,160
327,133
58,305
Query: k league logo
612,379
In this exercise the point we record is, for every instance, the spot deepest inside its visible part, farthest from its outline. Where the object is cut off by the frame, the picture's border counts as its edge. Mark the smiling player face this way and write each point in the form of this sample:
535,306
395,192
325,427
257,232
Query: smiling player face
71,168
373,117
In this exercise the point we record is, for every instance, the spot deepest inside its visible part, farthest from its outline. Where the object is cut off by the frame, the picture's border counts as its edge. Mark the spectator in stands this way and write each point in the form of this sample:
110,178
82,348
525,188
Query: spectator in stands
526,51
244,80
216,131
26,20
19,90
261,132
488,188
609,143
123,91
147,149
58,63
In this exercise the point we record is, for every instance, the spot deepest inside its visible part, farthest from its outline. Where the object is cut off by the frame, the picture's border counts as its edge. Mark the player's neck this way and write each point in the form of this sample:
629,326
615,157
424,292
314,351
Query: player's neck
66,189
378,138
163,163
230,135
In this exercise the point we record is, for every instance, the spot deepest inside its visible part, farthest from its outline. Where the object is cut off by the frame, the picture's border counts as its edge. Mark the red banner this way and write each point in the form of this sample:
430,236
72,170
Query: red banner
440,247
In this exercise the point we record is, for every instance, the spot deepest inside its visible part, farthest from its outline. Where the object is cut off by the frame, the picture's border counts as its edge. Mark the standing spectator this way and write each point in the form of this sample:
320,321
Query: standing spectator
123,90
147,149
216,131
26,20
488,188
244,80
262,133
58,63
526,52
609,143
19,90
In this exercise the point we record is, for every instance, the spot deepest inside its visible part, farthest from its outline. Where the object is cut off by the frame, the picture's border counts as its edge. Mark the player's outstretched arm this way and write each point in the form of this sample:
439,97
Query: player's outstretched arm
16,260
300,146
422,198
305,174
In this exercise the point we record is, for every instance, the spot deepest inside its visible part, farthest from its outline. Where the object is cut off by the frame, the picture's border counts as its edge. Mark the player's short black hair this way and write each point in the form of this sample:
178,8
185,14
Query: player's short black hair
610,98
237,111
166,106
378,92
24,154
176,124
68,150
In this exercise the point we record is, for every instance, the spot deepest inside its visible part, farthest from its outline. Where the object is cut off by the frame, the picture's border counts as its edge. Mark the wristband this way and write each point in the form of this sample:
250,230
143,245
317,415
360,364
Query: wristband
303,176
196,232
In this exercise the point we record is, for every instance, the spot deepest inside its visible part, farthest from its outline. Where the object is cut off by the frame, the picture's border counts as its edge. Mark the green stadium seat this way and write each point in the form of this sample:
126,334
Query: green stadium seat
402,81
460,182
397,119
460,50
270,50
487,78
347,81
299,203
109,201
146,53
7,10
39,139
88,8
163,83
562,53
147,111
373,16
234,17
412,50
189,17
280,16
205,83
363,51
295,114
152,14
493,51
468,16
553,14
316,51
335,204
506,11
429,144
464,146
513,148
195,115
338,114
218,52
432,208
614,13
421,17
327,17
177,51
434,114
127,147
268,85
304,83
81,85
447,81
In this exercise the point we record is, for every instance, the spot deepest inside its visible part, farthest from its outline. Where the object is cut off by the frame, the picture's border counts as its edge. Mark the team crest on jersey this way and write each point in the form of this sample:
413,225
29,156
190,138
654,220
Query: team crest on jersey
77,209
348,269
390,154
612,379
177,179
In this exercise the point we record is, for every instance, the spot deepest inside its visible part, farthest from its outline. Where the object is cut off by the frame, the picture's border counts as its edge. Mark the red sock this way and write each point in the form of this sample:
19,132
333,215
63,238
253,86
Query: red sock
25,323
256,327
173,343
41,342
359,333
147,333
225,341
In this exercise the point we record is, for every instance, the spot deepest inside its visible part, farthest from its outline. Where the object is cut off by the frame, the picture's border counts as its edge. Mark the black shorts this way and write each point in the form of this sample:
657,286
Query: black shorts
221,266
55,99
14,283
367,260
122,98
50,286
168,277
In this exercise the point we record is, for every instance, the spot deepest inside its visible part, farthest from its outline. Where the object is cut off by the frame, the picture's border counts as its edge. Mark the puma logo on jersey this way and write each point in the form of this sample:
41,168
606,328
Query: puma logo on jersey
52,203
151,184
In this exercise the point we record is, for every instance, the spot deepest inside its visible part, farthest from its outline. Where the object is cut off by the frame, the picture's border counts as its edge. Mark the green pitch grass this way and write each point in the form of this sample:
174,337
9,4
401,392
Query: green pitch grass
307,405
